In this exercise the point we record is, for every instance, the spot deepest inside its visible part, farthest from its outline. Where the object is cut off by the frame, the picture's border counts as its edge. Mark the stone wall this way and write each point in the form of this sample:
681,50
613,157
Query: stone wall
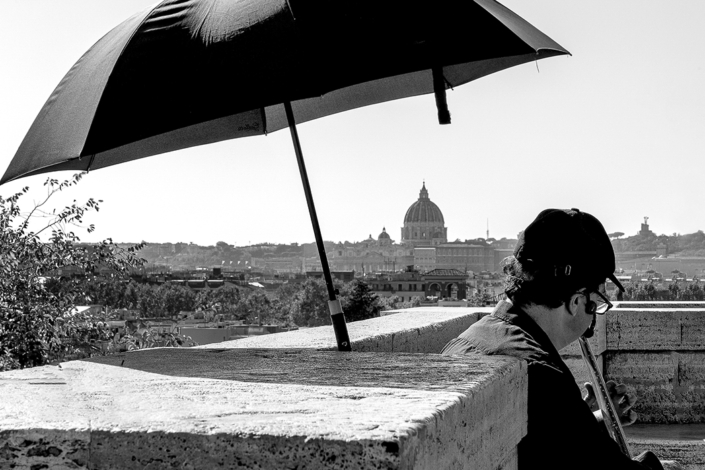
240,406
284,399
658,350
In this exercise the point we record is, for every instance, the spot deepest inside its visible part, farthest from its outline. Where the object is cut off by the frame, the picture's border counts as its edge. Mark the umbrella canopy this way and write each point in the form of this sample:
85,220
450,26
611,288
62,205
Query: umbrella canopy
192,72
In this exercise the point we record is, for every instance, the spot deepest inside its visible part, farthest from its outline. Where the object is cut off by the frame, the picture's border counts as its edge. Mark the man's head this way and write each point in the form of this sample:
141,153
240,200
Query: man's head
560,252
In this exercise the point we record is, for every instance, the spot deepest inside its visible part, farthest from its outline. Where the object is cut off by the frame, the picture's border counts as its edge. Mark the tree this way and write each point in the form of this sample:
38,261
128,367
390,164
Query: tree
309,306
38,324
480,298
389,303
225,300
359,303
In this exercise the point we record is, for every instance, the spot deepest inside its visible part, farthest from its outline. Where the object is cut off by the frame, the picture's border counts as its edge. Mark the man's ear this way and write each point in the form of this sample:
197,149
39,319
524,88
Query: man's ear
573,304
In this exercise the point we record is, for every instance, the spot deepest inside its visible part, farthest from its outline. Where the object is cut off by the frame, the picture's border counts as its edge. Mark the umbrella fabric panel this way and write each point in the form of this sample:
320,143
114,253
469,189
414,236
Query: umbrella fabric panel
184,67
59,130
519,26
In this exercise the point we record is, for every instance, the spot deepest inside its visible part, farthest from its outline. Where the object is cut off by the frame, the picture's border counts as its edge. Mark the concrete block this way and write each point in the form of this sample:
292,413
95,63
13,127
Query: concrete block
670,386
280,408
418,330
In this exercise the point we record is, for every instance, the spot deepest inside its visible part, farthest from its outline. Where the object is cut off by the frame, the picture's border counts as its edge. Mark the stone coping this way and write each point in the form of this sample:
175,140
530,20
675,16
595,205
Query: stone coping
658,304
420,329
242,408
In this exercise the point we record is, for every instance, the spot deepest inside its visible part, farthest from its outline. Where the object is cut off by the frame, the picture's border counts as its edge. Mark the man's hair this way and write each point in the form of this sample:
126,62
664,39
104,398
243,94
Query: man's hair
525,284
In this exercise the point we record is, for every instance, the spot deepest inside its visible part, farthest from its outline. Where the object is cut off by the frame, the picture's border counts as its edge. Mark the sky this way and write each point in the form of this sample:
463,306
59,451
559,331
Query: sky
616,130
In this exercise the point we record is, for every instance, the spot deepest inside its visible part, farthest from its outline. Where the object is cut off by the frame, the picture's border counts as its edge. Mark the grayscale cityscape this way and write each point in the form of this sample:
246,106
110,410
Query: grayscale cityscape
459,235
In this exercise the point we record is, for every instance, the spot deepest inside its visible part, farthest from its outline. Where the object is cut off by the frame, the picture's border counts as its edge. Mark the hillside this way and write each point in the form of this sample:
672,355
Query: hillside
692,244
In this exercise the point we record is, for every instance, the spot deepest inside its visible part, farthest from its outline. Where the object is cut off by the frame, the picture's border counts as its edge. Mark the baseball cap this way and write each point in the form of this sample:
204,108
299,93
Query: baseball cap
571,243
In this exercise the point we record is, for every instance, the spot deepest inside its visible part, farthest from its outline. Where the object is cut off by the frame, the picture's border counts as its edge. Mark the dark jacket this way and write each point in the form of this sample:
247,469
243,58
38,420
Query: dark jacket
562,431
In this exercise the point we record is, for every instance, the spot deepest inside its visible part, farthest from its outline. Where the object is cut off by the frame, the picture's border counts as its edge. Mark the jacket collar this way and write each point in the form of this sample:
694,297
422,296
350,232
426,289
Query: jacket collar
514,315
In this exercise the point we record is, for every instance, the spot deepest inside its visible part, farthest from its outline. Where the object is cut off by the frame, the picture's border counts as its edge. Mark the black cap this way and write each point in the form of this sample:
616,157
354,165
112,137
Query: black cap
571,243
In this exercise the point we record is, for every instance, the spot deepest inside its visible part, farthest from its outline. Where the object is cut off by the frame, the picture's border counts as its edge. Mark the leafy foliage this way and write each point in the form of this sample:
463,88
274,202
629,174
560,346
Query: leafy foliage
144,337
308,305
359,302
394,302
673,291
36,322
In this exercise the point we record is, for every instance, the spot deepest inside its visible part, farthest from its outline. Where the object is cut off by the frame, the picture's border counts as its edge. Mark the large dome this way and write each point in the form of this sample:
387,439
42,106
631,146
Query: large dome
423,210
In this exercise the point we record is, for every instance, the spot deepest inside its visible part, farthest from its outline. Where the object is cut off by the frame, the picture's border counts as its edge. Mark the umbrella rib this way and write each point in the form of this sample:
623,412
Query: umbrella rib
90,162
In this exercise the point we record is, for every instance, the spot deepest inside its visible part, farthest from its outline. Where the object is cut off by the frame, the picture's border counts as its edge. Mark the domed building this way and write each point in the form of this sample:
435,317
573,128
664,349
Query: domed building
423,223
384,239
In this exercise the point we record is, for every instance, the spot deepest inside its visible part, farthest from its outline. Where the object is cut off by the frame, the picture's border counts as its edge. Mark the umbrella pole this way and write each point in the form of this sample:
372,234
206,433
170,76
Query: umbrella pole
336,311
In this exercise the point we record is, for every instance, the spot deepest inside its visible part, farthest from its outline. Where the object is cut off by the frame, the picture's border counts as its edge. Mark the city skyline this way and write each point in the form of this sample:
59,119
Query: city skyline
613,130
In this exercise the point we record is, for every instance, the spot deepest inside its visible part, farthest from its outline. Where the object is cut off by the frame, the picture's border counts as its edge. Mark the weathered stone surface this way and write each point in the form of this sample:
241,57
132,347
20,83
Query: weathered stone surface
46,448
682,443
670,386
653,304
650,329
267,409
417,330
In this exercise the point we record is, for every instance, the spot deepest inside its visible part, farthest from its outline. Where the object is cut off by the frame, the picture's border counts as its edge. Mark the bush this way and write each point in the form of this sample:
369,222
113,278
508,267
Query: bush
39,323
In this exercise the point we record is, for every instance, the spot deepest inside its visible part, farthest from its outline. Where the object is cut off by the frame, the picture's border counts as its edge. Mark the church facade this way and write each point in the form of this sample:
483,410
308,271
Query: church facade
424,245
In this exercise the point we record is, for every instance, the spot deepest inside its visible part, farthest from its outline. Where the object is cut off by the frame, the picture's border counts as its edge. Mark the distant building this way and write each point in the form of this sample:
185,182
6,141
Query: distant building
645,228
423,223
446,284
425,258
405,285
438,283
465,257
424,245
370,256
345,276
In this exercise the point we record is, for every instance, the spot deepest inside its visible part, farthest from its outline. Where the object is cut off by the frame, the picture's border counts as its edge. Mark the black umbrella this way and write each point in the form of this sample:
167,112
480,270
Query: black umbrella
193,72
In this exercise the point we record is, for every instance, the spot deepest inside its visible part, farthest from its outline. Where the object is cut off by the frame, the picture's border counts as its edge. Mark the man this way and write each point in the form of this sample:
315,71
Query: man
556,284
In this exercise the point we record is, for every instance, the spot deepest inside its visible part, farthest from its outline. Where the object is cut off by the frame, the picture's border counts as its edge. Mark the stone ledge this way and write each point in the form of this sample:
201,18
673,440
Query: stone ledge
266,409
414,330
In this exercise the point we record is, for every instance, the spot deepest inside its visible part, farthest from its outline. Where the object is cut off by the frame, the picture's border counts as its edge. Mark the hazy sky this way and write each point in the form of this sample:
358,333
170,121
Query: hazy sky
617,130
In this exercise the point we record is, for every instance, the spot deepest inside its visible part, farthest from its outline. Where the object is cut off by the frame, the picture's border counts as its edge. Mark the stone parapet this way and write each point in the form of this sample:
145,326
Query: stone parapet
414,330
240,408
658,350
